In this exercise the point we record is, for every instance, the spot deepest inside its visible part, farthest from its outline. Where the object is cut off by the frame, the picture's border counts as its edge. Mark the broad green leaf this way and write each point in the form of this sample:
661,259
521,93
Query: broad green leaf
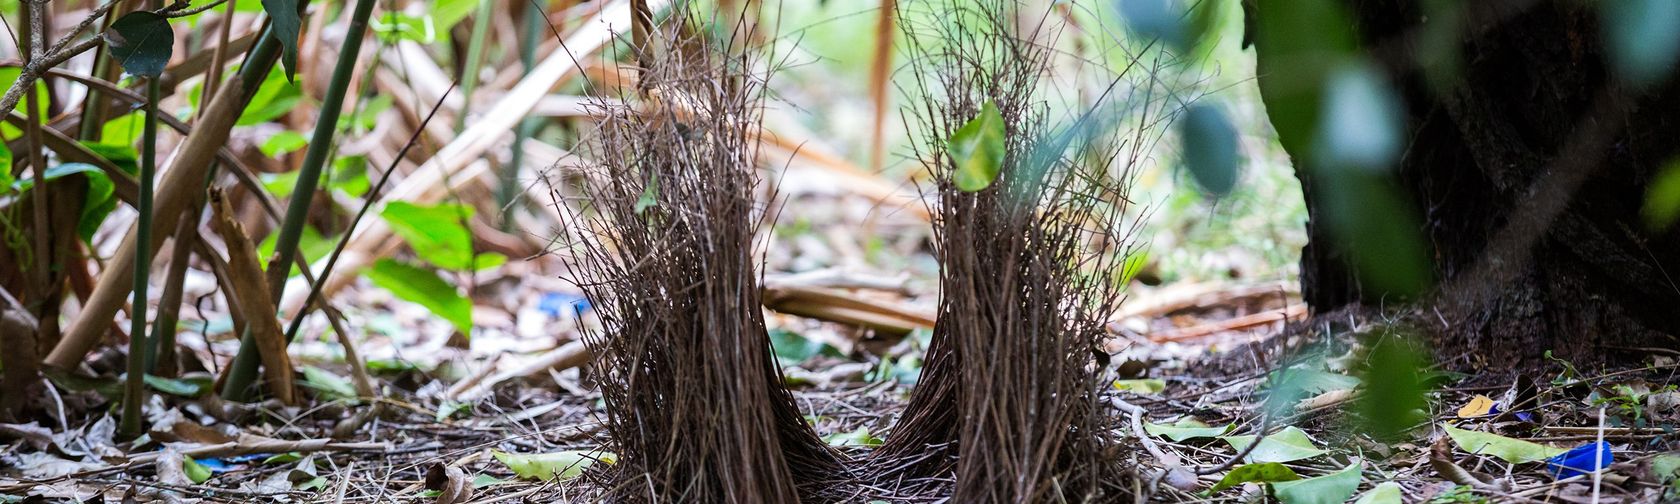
182,387
195,471
285,24
397,26
793,348
1643,38
446,13
283,458
311,244
1210,148
124,130
437,233
421,286
1662,197
350,175
7,131
1666,466
1387,493
1144,386
978,148
1333,488
484,480
859,437
1185,428
98,201
1313,381
125,157
275,97
283,143
1515,451
1152,20
142,42
1297,43
1287,445
1395,397
1254,473
548,466
328,385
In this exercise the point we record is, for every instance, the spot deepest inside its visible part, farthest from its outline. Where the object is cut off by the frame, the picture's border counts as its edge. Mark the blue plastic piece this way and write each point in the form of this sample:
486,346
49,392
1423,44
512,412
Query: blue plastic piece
1579,461
555,304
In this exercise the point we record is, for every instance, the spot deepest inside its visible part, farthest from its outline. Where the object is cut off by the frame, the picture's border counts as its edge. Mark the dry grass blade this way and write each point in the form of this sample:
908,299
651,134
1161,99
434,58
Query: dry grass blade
254,300
665,251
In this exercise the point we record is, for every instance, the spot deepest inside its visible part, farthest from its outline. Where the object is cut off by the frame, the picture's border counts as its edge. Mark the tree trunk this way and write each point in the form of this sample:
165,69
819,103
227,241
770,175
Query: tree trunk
1529,164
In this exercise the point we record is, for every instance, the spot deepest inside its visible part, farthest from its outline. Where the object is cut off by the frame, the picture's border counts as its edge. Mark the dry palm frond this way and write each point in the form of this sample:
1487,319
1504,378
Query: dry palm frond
1031,268
665,248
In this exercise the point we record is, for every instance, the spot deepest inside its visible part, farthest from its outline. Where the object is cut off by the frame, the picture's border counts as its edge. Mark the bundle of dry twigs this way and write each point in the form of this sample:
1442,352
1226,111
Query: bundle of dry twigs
665,250
1030,269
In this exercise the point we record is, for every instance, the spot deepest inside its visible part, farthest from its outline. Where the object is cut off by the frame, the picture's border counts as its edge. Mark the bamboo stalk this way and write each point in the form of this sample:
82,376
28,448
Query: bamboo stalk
309,176
134,392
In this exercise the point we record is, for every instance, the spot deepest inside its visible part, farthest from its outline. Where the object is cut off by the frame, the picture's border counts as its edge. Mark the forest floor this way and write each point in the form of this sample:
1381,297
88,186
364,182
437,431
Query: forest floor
1201,359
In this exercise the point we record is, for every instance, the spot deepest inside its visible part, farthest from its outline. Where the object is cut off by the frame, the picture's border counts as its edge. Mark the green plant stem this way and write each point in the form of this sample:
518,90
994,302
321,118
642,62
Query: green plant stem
245,363
534,20
475,60
134,391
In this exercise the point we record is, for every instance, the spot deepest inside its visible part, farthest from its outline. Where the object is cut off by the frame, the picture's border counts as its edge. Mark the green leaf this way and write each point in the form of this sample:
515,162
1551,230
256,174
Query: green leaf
125,157
1387,493
195,471
978,148
1395,396
274,98
142,42
9,132
283,458
793,348
548,466
650,195
421,286
123,131
448,409
1515,451
177,387
98,201
1152,20
285,24
5,168
1333,488
1254,473
436,233
311,244
859,437
283,143
1643,38
1185,428
328,385
446,13
1666,467
1210,148
484,480
1662,198
1144,386
1287,445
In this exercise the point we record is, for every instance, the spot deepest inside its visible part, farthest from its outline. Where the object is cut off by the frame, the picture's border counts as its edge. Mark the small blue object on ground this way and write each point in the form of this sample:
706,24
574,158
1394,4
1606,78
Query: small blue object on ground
1580,460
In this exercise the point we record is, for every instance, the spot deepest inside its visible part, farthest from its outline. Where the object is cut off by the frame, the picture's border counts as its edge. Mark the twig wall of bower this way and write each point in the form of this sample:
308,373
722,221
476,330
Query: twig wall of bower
1031,265
664,247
